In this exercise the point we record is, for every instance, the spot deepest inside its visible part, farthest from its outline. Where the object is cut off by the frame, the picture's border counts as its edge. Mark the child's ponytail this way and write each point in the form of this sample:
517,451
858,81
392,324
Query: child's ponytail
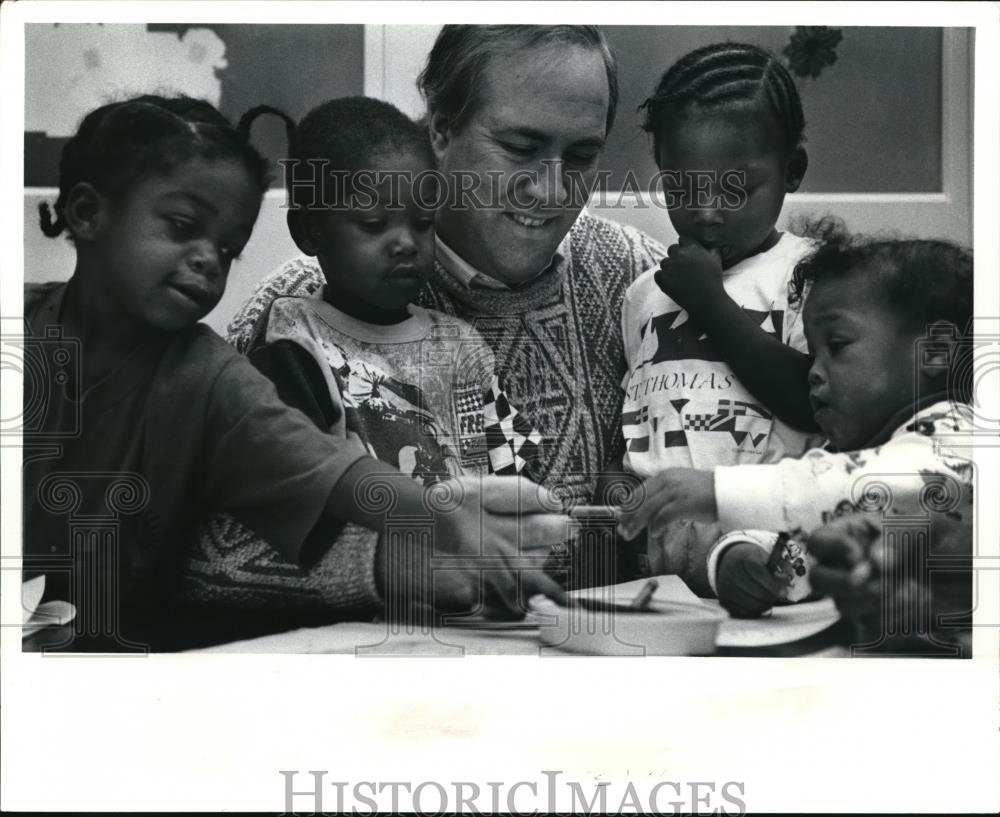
119,142
244,126
51,229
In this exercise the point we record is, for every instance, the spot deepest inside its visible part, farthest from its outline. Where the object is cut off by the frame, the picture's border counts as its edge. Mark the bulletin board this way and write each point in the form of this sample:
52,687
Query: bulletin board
72,69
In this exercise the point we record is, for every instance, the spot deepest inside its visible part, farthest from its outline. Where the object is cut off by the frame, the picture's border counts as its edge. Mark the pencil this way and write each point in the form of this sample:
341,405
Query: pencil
593,512
641,602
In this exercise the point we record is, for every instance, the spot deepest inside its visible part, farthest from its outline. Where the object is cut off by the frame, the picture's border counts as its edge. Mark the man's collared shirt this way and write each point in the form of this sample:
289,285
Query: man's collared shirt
471,278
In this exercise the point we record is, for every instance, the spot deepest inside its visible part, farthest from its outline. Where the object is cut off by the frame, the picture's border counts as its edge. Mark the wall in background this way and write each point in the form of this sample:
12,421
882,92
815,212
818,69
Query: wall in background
873,117
888,124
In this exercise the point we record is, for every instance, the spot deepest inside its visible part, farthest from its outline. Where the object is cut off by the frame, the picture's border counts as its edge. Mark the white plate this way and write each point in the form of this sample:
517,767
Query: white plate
784,624
592,627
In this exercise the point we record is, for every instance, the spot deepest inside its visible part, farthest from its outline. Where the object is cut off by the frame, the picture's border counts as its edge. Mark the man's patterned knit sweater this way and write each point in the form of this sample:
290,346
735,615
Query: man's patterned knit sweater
557,341
558,350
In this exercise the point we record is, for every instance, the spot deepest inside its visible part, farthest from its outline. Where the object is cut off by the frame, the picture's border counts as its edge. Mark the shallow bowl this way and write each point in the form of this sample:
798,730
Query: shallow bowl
594,627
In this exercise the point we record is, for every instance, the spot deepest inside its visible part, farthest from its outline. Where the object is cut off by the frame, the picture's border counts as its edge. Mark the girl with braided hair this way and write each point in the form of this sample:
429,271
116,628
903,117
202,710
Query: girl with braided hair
147,421
716,356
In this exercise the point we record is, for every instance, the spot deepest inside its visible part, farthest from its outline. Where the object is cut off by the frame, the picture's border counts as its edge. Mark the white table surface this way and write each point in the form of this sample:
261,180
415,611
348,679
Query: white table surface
782,625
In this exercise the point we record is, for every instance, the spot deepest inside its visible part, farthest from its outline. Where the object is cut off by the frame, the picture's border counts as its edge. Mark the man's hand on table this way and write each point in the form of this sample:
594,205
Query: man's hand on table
490,538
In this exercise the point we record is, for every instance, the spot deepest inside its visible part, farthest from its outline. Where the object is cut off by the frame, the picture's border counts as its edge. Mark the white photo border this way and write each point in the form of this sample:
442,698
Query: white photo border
183,732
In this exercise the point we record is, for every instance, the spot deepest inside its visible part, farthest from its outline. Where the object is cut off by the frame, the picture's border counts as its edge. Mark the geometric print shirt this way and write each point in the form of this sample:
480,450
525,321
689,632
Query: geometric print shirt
421,395
683,405
556,340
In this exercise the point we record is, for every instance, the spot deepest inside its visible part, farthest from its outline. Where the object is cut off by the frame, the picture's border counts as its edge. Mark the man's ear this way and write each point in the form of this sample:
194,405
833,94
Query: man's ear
795,169
85,211
303,230
439,131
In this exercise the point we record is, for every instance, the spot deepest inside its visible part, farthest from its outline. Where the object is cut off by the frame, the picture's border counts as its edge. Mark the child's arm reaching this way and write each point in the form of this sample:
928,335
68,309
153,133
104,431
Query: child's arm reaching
776,374
492,536
794,494
291,483
910,474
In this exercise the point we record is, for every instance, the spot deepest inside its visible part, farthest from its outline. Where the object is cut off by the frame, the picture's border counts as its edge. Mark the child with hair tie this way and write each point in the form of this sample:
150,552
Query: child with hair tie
164,422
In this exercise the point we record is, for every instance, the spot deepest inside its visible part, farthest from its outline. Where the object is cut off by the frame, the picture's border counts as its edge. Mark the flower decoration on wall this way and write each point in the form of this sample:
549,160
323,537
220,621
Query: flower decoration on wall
811,49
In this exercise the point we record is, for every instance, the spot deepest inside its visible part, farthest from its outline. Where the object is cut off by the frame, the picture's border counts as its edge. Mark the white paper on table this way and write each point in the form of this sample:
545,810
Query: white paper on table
35,616
668,588
31,593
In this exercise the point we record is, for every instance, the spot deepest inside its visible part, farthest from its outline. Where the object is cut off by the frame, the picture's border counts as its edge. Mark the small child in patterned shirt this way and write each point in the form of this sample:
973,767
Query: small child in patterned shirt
889,328
417,386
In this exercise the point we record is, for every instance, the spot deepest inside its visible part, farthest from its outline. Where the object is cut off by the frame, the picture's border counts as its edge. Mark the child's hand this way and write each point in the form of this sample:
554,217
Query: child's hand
674,493
744,581
691,275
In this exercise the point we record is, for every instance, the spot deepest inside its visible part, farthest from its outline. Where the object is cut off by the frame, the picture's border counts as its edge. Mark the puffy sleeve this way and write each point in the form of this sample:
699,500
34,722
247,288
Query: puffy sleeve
915,476
802,494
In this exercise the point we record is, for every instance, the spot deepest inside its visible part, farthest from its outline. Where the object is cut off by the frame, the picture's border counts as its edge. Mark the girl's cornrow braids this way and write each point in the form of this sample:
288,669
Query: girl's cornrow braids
120,140
71,165
105,141
214,130
723,72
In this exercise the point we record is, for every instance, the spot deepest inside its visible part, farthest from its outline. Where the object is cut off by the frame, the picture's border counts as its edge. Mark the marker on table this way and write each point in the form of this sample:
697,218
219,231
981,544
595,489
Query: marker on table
641,602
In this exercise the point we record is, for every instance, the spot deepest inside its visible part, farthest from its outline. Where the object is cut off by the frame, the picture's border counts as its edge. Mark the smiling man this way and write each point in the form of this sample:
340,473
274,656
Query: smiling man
520,114
517,117
527,139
